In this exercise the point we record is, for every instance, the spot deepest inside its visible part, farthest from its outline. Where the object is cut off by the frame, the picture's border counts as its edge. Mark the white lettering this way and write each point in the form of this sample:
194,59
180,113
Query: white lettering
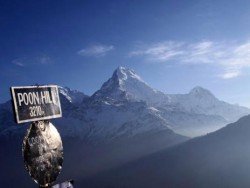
49,98
20,99
30,96
36,111
36,98
43,97
25,98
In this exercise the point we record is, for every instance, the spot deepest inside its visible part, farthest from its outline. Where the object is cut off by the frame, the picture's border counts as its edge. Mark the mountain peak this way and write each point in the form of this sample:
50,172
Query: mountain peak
121,78
126,84
198,90
123,73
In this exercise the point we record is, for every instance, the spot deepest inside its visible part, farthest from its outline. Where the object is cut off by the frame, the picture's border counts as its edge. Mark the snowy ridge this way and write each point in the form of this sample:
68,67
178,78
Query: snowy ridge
125,84
192,114
72,96
126,106
202,101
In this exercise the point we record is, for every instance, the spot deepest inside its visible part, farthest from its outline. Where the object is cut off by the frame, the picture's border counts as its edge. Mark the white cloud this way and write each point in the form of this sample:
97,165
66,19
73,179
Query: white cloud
232,57
159,52
18,62
96,50
35,60
44,60
230,74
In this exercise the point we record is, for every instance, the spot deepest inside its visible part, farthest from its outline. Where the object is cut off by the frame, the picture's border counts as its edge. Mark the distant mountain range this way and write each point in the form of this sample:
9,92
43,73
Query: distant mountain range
219,160
126,106
125,120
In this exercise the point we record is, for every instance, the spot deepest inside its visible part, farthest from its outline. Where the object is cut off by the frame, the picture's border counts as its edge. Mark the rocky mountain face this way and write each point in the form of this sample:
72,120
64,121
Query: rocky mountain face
220,160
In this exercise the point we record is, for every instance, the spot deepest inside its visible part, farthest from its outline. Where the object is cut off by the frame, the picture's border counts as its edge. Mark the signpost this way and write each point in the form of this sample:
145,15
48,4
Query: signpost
34,103
42,144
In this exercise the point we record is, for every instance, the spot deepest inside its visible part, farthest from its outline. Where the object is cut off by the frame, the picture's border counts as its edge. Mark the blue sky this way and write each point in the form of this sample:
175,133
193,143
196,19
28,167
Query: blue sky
172,45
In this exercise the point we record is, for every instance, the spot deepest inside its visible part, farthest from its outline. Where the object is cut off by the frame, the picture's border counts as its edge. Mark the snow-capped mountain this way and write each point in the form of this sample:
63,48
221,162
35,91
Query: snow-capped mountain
192,114
73,96
126,84
126,105
202,101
